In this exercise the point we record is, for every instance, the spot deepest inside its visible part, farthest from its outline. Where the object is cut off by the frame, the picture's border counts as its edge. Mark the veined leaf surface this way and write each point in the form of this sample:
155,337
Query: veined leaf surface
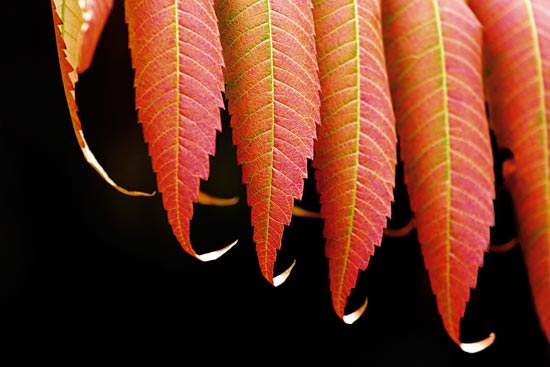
69,36
355,153
176,54
433,50
517,67
272,89
68,23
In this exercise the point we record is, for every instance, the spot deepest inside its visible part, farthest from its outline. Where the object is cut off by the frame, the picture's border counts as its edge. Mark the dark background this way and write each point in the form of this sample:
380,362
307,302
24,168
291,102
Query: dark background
87,272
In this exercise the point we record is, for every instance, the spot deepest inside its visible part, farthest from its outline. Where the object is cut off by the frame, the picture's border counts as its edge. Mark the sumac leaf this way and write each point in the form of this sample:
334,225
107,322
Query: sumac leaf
272,90
355,153
433,51
517,68
176,54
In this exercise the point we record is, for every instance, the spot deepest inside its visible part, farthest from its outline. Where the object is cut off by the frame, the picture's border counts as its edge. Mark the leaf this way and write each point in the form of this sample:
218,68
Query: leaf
94,14
272,89
517,67
176,54
433,50
68,22
355,154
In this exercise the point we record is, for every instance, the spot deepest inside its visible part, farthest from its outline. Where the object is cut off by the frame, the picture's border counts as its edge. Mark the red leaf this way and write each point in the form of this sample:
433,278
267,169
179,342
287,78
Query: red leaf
517,66
355,154
433,49
272,89
176,54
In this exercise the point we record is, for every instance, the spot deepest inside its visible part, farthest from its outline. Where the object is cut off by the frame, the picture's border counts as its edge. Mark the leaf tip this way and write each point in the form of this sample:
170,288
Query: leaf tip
400,232
213,255
281,278
301,212
355,315
207,199
479,345
91,159
505,247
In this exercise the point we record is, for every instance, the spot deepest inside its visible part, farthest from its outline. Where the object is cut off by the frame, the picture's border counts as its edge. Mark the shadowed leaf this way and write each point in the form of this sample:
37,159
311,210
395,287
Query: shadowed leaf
517,67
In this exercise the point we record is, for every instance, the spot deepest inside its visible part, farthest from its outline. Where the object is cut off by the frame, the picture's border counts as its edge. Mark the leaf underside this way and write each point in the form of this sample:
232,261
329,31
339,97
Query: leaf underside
272,90
517,66
68,22
433,49
355,153
176,54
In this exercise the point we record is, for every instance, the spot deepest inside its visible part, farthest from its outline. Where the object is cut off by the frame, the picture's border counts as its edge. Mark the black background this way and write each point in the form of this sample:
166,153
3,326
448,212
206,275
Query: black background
87,272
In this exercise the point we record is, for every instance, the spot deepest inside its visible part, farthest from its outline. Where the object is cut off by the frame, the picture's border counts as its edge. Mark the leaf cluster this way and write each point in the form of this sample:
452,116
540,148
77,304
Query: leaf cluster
352,87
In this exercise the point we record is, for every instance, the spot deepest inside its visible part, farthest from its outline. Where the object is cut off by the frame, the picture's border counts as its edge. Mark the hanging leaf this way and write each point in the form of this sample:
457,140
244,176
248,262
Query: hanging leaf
176,54
68,25
433,50
517,67
273,97
355,154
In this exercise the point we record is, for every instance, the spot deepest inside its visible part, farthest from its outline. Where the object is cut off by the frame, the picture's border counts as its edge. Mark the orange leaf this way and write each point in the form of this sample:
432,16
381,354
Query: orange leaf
68,22
517,66
433,49
176,54
355,154
273,95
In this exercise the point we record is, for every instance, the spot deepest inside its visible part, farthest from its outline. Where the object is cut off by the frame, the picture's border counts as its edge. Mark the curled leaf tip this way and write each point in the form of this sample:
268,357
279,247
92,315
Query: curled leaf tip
281,278
505,246
301,212
352,317
213,255
400,232
207,199
91,159
478,346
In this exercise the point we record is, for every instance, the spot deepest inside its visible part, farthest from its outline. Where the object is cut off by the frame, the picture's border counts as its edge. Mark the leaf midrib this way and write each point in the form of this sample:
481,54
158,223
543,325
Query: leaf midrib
177,102
448,274
269,22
